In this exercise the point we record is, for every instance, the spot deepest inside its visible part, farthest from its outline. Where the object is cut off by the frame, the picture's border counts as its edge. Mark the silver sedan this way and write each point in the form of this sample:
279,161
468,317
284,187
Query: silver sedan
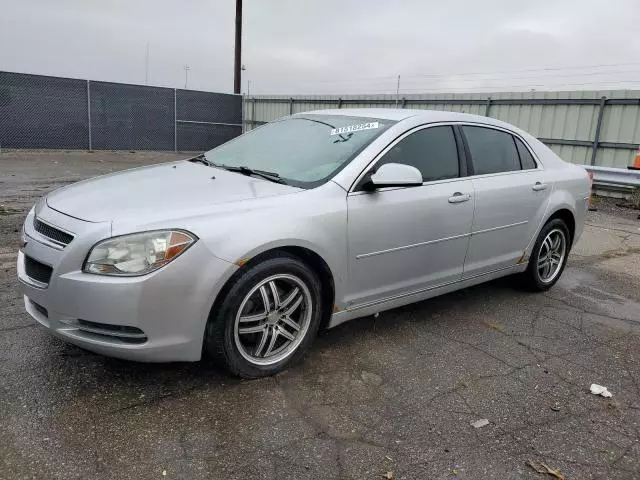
244,252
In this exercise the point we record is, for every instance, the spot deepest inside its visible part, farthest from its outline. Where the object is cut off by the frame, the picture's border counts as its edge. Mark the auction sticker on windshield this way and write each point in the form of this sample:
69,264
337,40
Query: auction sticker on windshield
354,128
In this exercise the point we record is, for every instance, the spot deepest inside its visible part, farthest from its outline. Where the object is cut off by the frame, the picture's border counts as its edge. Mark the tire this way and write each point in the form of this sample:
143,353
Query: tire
235,332
534,278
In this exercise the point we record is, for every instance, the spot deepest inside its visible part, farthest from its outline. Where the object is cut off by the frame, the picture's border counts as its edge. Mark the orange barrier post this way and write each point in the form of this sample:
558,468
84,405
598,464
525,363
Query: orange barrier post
636,161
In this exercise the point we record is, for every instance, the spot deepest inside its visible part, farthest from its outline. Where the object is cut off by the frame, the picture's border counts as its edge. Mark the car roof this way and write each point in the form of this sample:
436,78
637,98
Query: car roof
399,114
410,118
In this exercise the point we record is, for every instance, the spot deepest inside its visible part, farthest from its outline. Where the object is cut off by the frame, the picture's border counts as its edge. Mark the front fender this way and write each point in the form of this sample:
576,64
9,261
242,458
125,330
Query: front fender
315,220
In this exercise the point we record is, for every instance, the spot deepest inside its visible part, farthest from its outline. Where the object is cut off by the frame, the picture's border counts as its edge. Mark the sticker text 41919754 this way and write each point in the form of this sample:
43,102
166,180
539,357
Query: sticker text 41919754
354,128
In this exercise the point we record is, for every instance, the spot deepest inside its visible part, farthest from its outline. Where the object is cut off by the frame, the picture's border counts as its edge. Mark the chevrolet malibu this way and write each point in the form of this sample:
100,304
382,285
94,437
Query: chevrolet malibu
244,252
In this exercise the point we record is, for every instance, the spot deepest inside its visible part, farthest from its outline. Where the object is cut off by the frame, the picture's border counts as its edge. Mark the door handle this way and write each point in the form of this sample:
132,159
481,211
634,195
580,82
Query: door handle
459,197
539,186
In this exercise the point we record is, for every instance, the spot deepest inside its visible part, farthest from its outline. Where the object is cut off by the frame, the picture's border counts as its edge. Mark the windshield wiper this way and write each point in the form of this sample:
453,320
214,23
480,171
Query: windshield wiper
272,176
201,159
342,137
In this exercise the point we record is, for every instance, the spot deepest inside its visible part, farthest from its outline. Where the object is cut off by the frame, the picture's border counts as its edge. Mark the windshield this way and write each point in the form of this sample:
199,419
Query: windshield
305,151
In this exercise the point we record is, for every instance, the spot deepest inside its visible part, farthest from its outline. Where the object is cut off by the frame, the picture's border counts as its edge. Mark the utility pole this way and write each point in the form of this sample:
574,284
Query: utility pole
238,56
398,91
146,66
186,75
248,88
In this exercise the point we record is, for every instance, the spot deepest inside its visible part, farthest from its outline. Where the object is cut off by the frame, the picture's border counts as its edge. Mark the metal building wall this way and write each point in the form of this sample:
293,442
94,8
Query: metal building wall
566,121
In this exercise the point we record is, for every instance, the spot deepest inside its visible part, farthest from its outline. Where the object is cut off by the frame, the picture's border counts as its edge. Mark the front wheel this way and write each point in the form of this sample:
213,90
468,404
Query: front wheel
549,256
267,319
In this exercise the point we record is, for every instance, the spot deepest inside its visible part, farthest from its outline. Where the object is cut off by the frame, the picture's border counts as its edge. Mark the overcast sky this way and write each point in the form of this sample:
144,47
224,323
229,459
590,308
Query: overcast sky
327,46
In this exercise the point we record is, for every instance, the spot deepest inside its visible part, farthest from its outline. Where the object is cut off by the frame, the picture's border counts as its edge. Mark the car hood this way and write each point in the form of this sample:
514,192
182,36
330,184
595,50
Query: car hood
167,187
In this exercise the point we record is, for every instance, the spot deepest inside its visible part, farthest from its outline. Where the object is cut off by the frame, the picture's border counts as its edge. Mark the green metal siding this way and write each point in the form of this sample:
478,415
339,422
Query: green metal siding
620,123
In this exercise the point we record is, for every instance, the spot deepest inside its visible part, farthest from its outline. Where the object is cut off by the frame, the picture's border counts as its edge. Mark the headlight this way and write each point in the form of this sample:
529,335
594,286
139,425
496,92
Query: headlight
137,254
23,233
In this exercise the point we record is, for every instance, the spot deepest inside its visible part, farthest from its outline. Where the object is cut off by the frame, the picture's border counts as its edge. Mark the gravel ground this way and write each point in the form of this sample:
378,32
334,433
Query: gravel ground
392,397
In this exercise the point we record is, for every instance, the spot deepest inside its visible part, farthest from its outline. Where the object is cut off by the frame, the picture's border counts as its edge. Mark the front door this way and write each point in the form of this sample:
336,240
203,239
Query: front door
404,240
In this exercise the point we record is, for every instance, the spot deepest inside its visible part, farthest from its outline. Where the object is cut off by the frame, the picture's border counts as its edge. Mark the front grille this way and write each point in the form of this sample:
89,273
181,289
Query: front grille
36,270
106,331
52,233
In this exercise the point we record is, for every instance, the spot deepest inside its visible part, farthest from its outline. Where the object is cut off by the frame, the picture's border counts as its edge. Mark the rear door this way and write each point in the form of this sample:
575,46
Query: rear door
404,240
511,192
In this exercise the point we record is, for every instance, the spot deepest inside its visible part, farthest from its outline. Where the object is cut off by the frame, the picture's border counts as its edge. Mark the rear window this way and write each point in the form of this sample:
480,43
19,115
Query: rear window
492,151
526,159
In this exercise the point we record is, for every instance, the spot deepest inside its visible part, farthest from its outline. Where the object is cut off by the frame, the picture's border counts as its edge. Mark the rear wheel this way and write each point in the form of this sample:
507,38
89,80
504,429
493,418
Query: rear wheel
267,319
549,256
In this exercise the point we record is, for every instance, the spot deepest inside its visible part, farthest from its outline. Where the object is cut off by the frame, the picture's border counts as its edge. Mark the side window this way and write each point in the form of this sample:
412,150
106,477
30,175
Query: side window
431,150
526,159
492,151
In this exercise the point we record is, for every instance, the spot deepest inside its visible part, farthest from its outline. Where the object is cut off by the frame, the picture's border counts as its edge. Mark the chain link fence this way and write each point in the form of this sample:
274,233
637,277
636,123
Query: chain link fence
42,112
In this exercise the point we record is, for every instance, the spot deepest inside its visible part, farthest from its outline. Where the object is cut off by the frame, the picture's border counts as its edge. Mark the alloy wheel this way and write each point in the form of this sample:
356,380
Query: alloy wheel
273,319
552,254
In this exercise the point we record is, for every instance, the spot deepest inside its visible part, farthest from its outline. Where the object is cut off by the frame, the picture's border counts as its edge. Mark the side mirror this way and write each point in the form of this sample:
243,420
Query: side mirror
394,175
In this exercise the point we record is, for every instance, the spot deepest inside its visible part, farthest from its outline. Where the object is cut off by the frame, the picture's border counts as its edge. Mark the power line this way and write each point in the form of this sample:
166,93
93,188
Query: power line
546,69
470,89
482,80
613,85
505,72
551,77
489,82
635,80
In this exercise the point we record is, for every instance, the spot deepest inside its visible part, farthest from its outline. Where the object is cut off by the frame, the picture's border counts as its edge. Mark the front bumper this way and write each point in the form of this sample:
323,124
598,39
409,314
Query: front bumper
155,318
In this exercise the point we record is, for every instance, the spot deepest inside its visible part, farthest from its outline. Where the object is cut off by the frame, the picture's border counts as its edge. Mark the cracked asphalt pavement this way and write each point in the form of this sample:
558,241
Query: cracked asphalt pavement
392,397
